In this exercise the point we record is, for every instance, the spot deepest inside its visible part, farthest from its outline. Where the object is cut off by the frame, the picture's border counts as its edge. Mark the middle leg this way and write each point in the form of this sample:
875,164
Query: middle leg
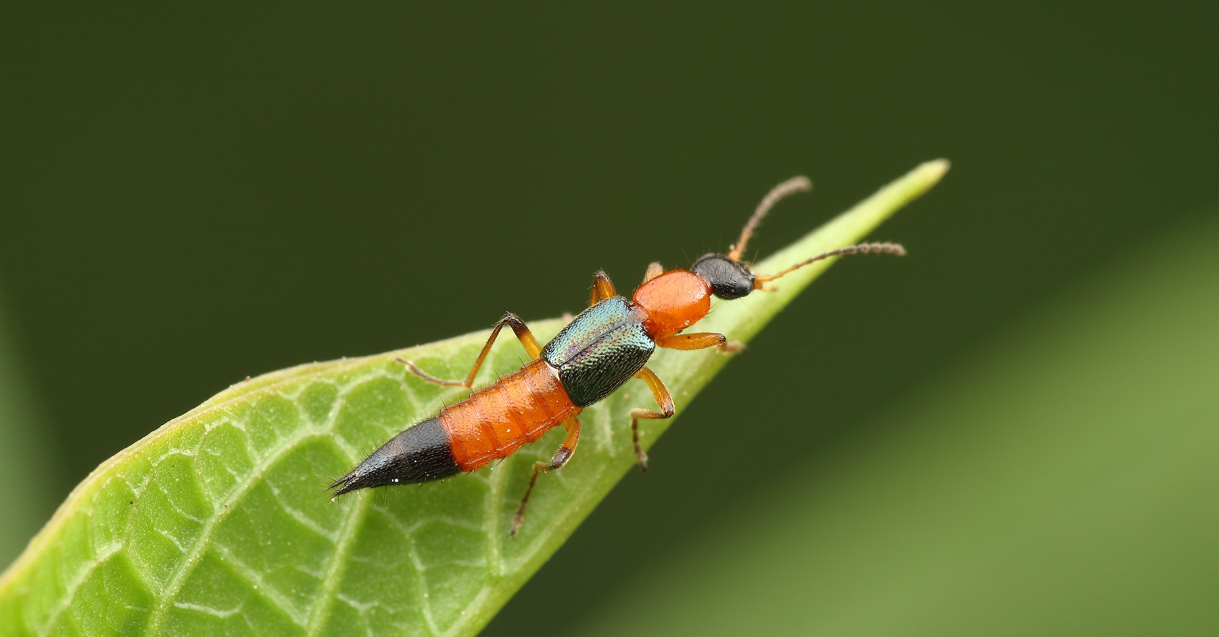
603,288
663,399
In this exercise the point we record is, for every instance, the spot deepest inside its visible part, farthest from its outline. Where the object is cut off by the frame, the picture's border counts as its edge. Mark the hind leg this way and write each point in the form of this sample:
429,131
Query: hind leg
561,456
518,327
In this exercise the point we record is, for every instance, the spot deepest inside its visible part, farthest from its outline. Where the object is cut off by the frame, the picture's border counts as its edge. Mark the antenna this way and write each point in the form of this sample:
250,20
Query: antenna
860,248
789,187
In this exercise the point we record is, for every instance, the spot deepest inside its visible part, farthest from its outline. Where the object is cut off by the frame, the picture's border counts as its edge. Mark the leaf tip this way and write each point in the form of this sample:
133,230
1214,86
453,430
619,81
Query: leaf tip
931,172
913,184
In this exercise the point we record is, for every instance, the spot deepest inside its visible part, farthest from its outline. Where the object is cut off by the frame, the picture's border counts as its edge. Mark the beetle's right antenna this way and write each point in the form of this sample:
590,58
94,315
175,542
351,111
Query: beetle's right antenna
860,248
789,187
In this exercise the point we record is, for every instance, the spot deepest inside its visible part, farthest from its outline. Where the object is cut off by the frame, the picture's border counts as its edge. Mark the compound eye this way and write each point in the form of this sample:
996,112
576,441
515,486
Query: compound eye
728,278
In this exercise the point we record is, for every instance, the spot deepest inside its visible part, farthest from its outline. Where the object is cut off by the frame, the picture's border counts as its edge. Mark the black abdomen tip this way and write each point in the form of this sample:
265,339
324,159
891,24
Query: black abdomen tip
421,453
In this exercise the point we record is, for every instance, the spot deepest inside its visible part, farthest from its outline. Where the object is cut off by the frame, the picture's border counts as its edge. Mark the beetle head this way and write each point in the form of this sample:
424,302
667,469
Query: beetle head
729,278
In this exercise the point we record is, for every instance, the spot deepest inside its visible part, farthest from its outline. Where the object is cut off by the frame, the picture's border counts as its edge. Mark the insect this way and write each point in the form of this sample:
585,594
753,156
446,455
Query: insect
601,349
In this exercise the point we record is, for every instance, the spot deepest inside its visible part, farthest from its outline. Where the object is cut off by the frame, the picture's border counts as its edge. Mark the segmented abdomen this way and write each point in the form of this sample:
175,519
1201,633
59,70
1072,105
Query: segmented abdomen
495,421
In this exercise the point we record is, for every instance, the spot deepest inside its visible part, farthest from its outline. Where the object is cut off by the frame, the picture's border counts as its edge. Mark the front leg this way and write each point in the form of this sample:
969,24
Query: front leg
700,340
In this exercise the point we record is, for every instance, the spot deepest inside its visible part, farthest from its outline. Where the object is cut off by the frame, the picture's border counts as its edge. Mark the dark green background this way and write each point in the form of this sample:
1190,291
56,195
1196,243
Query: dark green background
192,195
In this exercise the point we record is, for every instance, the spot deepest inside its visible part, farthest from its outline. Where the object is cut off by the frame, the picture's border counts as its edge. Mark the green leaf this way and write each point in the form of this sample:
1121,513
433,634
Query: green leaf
218,522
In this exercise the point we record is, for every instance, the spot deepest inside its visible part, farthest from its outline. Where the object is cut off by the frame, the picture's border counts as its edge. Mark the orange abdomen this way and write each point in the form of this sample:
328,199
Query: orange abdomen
495,421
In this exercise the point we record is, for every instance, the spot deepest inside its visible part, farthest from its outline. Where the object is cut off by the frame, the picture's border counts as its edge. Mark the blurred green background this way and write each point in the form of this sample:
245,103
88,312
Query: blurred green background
191,195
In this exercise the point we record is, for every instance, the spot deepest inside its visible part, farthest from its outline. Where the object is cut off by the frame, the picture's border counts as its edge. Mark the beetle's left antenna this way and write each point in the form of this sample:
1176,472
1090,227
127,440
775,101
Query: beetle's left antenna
789,187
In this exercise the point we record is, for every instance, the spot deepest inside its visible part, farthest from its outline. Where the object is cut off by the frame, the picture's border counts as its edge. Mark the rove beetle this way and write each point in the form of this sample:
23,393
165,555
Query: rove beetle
606,345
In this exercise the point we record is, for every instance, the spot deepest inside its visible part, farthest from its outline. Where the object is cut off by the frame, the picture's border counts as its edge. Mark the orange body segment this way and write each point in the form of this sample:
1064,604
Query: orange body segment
673,301
495,421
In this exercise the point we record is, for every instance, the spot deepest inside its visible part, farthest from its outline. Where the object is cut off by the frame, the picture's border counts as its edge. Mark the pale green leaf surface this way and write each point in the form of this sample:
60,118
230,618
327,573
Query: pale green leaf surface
218,522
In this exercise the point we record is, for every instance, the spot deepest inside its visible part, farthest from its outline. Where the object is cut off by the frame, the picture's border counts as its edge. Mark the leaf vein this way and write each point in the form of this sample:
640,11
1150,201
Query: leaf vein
334,568
201,543
70,591
255,578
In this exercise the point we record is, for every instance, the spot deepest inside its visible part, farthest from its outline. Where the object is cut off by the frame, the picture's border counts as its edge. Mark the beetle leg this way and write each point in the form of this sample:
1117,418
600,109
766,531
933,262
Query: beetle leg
663,399
560,458
518,327
654,270
602,288
700,340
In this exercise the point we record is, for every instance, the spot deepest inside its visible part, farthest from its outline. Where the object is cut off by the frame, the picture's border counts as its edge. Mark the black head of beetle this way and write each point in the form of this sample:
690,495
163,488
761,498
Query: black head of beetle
729,278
